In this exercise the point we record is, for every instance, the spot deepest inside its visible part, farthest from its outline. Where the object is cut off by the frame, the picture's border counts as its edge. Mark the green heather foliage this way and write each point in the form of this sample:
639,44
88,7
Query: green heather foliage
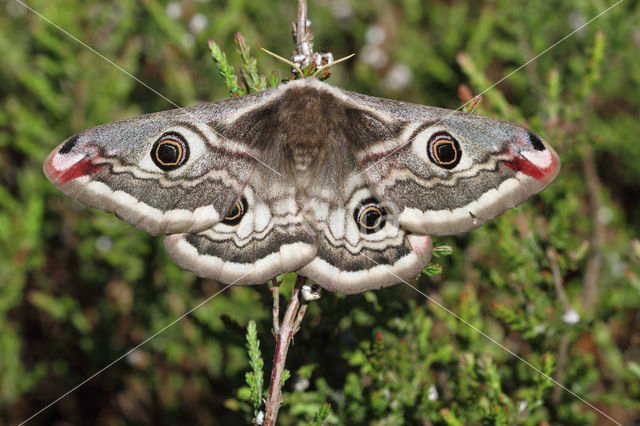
556,281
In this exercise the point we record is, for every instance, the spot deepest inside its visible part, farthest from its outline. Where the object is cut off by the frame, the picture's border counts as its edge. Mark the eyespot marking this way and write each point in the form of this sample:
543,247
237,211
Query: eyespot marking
444,150
170,151
236,213
370,216
536,142
68,145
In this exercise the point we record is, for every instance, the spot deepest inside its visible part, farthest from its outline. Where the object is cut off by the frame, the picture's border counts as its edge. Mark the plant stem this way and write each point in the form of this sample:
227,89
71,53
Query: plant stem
301,34
284,335
594,264
558,281
275,292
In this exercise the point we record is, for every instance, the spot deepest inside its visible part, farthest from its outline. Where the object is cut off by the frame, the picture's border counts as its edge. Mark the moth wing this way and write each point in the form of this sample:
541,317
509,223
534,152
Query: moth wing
352,256
449,172
270,237
112,166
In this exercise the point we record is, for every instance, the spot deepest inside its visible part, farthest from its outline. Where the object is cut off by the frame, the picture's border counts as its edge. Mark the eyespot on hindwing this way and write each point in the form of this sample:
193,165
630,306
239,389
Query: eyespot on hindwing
236,213
370,216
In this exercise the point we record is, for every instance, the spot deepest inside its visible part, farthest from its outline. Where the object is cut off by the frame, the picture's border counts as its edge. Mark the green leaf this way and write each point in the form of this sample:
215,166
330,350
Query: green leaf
255,378
321,415
226,71
249,66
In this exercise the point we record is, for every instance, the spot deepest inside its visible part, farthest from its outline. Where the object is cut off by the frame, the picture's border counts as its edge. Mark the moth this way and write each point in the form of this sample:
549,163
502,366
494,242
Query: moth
344,188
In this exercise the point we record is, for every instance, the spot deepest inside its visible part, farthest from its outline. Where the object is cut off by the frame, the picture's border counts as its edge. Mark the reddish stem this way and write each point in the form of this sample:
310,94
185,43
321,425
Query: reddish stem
284,336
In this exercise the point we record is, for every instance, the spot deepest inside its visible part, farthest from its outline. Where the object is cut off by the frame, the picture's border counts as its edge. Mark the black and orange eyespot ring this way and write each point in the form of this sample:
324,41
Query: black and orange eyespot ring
236,213
444,150
170,151
370,216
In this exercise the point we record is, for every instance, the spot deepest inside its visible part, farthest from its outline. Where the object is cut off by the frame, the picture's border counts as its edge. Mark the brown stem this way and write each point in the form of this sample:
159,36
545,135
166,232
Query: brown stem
563,350
275,292
558,281
594,264
289,326
301,25
563,355
298,321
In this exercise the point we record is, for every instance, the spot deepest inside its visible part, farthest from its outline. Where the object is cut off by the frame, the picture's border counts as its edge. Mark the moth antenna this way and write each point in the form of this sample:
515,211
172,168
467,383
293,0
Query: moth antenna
285,60
337,61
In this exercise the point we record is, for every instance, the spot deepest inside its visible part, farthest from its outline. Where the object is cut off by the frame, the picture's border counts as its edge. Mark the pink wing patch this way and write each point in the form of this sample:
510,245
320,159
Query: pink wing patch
61,168
537,160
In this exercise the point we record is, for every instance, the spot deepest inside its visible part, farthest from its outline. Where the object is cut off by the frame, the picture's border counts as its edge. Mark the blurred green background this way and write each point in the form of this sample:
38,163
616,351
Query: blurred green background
556,280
